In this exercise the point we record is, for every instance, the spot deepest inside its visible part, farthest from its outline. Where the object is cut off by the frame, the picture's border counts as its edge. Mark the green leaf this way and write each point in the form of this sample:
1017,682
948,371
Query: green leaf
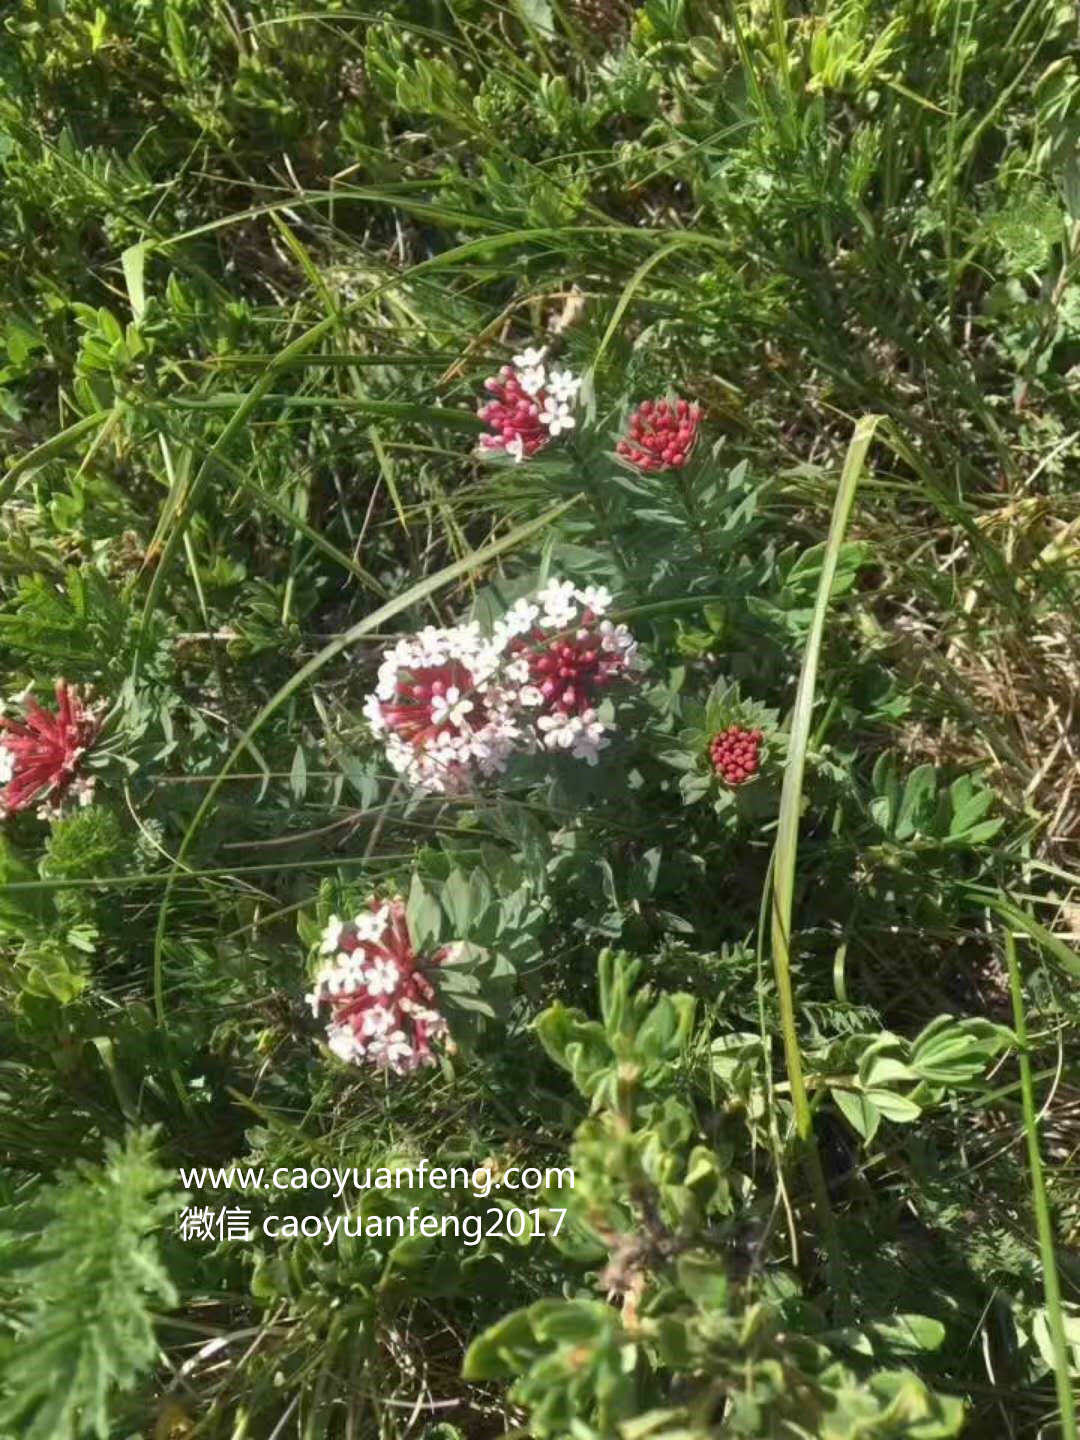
978,833
894,1107
858,1110
969,804
298,775
1052,944
704,1280
886,784
503,1350
133,263
457,902
917,803
481,896
884,1070
957,1053
694,787
644,873
908,1334
424,916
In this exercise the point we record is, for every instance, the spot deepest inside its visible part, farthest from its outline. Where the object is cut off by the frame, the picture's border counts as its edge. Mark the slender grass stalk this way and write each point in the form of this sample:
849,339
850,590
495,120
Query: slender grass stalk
1048,942
784,857
956,75
1043,1225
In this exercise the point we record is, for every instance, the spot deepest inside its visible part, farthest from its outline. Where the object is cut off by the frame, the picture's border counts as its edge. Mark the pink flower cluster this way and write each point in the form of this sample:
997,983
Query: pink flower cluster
40,756
661,435
529,406
383,1009
561,654
452,705
441,709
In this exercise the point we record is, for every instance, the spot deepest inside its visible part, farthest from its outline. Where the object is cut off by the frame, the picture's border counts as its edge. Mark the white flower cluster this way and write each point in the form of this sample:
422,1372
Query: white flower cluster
559,388
382,1007
451,703
440,708
529,405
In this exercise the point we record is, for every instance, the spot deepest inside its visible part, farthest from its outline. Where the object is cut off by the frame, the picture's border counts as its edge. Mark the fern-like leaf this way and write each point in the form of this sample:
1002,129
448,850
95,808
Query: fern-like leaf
81,1268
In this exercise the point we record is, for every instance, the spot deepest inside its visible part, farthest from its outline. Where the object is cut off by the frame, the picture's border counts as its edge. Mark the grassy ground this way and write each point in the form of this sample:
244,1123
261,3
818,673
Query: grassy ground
257,264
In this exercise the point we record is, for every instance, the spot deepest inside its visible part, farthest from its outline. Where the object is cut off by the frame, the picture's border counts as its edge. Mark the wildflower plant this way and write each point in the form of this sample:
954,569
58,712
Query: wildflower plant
383,1007
452,706
727,751
390,979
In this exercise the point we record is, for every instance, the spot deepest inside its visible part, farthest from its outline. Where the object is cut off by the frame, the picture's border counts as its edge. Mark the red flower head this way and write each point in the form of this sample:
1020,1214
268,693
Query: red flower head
383,1009
530,406
661,435
440,709
735,754
40,756
563,655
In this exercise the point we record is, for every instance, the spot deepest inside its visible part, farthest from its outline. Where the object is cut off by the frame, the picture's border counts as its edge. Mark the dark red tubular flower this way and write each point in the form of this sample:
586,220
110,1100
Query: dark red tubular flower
735,754
40,756
661,435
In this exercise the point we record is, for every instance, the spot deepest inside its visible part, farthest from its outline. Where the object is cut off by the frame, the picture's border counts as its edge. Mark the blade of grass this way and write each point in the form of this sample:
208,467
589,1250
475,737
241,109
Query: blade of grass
1043,1225
1021,920
784,857
49,449
630,289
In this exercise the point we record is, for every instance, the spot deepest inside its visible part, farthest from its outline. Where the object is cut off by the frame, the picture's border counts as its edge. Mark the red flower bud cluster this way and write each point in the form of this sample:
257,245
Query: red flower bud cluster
513,416
736,754
531,405
568,670
661,435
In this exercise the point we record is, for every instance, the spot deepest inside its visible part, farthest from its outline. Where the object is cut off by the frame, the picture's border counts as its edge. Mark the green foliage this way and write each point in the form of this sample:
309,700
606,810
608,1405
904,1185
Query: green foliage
920,813
257,263
82,1273
649,1199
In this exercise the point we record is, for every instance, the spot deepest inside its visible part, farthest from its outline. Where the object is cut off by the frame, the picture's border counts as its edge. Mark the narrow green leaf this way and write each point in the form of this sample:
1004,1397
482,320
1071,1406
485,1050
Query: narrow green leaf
1055,1314
298,775
787,840
133,263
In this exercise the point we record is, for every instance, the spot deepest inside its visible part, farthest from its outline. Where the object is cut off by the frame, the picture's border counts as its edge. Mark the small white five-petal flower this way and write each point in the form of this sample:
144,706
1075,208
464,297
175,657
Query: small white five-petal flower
529,358
564,385
556,416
